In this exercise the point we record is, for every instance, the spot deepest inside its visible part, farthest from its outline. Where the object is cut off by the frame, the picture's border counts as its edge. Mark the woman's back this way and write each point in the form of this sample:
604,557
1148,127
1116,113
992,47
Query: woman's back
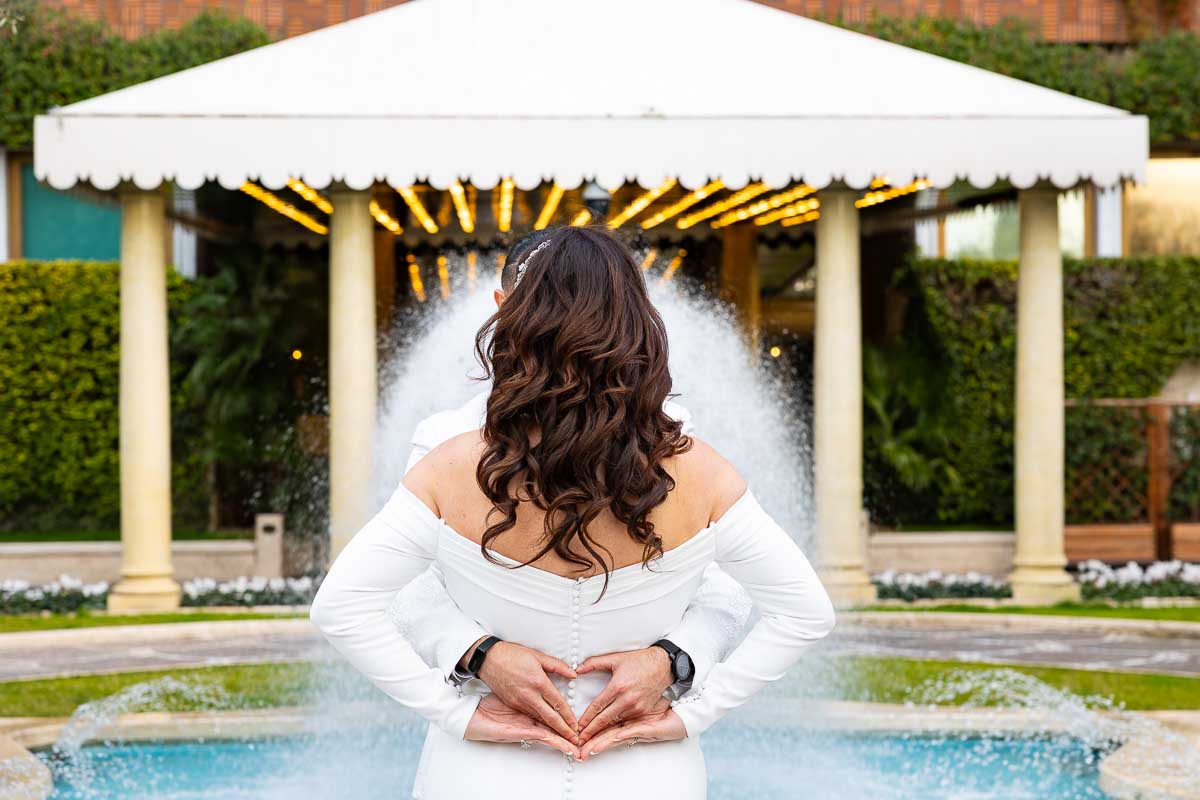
705,486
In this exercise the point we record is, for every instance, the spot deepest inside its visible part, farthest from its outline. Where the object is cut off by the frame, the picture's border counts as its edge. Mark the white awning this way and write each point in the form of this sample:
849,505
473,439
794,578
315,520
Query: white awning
569,90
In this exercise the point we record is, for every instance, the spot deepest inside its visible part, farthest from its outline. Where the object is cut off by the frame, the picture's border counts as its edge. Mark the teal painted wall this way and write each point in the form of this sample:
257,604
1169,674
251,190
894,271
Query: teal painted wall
58,224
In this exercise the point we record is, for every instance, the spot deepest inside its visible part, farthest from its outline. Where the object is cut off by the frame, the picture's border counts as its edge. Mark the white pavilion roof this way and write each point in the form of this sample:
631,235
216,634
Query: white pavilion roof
575,89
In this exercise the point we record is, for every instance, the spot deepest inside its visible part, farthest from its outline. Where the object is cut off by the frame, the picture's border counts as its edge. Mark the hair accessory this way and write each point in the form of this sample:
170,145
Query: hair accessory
525,263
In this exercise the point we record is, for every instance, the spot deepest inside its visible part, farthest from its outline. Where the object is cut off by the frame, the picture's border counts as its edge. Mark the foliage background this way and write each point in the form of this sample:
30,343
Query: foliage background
59,331
1155,77
235,393
53,59
1129,323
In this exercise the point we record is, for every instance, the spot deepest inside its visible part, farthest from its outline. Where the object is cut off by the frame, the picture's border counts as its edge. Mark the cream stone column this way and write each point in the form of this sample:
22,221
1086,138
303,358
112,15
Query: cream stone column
146,582
837,403
352,376
1039,576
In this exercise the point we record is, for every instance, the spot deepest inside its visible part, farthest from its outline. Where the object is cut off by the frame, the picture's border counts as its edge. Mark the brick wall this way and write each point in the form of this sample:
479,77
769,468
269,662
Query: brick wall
1059,20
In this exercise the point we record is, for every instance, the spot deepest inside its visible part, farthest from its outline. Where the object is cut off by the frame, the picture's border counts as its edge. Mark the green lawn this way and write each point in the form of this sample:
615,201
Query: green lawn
1183,614
14,624
248,686
24,537
890,680
885,680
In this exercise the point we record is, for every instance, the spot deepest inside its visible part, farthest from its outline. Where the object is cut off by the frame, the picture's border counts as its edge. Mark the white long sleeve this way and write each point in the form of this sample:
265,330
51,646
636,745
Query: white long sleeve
351,610
795,611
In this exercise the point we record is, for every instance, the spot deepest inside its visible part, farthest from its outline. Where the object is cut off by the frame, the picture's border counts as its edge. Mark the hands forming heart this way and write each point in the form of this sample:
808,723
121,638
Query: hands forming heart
525,706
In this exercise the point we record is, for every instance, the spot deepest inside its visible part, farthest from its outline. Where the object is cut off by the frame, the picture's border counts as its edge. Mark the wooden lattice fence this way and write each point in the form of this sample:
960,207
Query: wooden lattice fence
1133,480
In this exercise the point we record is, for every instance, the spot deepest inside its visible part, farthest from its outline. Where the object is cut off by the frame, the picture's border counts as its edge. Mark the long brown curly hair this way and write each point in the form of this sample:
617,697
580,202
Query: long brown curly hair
577,353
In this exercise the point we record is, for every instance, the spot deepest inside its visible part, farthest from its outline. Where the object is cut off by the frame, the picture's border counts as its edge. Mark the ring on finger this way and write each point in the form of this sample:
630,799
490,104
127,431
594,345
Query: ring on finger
633,740
525,745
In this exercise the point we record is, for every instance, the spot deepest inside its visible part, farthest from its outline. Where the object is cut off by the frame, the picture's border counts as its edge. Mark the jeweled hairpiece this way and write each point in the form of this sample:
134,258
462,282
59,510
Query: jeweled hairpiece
525,262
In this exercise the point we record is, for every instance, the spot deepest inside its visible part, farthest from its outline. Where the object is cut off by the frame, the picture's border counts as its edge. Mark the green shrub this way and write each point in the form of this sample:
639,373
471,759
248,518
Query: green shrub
1129,323
51,58
59,335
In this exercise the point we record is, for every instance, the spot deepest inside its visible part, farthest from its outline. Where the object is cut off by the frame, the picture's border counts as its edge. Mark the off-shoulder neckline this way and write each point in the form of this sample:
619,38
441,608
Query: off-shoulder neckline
700,534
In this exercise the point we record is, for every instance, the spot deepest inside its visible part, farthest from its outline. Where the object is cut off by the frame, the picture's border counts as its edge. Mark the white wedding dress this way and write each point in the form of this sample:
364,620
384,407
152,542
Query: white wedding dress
566,618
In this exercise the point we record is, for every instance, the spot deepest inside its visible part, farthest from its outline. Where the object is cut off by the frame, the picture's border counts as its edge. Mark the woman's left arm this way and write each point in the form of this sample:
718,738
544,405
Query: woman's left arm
350,610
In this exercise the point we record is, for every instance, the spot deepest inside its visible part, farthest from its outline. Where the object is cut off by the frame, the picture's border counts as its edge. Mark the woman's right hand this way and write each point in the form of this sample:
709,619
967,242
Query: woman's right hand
494,721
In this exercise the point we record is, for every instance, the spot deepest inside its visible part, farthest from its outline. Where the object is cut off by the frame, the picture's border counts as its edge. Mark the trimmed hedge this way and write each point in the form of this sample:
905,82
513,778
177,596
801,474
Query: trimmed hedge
59,335
1129,323
54,59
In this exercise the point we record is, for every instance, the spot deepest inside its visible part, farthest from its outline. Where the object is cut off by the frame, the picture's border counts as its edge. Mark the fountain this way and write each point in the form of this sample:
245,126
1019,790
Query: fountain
1012,737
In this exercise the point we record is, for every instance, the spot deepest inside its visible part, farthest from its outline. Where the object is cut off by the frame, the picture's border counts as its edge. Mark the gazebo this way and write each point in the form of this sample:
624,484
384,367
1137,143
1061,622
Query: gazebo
461,91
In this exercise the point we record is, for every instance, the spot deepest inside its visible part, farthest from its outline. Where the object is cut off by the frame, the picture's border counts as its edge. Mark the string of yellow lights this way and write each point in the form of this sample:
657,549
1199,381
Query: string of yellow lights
414,277
583,217
651,257
766,204
794,210
283,207
641,202
310,194
418,210
800,220
552,200
721,206
444,276
385,219
459,196
673,267
504,218
688,200
883,195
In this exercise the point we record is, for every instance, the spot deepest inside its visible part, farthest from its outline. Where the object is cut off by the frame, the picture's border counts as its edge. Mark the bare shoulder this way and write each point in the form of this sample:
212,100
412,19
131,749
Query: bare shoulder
446,469
709,475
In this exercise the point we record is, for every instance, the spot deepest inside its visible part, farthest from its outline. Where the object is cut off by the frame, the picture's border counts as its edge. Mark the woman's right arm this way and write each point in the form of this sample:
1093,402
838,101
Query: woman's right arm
351,610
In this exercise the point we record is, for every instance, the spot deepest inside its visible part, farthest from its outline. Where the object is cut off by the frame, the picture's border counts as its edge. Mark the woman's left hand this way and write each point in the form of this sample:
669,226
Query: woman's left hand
661,725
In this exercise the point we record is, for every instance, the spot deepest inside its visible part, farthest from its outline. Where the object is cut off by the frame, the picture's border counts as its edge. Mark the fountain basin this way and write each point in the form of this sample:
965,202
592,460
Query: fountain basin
959,751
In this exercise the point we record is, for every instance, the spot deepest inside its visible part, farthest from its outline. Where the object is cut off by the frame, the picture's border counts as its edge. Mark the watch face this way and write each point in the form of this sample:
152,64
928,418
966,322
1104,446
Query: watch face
683,667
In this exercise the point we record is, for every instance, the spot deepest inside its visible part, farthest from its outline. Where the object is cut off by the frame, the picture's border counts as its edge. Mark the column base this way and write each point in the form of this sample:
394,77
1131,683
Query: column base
848,587
1043,586
144,594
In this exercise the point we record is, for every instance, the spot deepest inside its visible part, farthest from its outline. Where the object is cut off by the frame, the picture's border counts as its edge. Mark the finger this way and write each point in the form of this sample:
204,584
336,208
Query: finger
614,714
604,663
551,695
611,738
545,713
553,665
541,735
602,701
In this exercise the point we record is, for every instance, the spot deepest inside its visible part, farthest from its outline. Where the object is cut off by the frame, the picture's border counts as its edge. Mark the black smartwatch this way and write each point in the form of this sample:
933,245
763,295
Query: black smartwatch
461,675
682,668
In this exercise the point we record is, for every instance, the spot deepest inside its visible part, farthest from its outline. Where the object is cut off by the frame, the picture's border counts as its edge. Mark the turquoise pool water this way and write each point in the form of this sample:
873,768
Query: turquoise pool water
744,764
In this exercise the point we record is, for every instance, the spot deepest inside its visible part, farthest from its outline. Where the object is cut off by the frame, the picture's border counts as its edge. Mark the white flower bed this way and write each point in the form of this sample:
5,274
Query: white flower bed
249,592
1132,581
64,594
936,585
70,594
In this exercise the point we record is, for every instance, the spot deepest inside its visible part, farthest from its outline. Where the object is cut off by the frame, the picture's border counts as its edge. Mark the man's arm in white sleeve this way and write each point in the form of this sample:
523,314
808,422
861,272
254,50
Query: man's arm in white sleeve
713,621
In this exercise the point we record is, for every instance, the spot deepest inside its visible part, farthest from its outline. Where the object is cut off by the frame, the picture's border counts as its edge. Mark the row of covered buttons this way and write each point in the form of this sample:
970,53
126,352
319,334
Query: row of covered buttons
573,655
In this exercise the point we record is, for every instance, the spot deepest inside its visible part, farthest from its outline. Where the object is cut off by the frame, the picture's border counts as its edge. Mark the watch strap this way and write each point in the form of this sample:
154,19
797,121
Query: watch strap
475,662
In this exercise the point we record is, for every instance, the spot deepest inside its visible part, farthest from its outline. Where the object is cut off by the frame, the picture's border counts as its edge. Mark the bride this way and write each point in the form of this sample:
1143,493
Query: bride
578,521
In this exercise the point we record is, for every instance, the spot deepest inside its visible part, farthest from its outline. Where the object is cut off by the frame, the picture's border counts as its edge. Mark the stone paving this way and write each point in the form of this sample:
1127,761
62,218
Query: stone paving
101,650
